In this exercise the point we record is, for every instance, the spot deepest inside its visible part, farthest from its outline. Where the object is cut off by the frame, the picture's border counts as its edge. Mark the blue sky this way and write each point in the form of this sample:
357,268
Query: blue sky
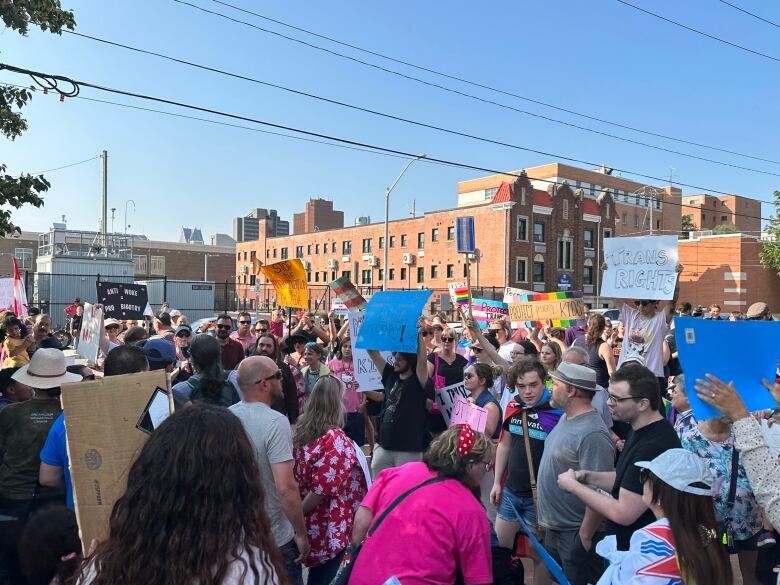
600,57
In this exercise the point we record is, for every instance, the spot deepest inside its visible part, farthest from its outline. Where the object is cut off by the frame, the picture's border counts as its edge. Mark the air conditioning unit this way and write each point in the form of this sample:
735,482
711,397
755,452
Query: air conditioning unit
408,258
307,265
245,270
333,263
373,261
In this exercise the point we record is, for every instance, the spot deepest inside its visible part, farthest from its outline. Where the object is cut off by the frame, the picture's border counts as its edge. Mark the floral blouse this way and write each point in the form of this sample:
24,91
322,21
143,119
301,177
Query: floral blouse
745,519
330,467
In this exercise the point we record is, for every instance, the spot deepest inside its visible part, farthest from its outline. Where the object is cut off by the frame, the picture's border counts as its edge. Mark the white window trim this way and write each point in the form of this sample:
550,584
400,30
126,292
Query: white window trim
517,228
525,271
593,240
537,258
559,261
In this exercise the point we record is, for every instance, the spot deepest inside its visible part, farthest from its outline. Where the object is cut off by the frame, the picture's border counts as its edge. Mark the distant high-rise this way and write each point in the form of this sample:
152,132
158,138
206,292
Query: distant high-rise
191,236
363,220
247,228
318,216
222,240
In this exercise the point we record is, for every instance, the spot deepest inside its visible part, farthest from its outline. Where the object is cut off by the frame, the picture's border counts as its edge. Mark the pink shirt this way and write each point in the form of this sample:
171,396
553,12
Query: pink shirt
244,341
345,371
434,532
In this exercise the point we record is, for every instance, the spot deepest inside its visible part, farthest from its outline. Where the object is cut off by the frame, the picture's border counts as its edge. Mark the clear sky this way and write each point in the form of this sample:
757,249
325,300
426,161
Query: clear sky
598,57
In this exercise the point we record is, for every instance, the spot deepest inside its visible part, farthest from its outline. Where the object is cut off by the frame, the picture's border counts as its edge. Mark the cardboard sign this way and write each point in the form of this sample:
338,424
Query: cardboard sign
289,280
122,301
391,320
562,308
338,307
348,294
103,441
466,413
640,268
88,344
452,287
702,349
6,293
485,311
368,377
512,295
446,398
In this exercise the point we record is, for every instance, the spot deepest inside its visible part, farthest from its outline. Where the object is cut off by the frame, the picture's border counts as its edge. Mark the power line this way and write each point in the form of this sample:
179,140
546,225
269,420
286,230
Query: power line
699,32
375,112
445,75
56,168
756,16
310,133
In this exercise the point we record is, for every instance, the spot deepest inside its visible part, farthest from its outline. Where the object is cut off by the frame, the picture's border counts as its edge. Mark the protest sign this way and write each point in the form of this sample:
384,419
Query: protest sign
289,280
391,320
562,308
121,300
454,288
101,422
642,267
338,307
466,413
348,294
485,311
6,293
512,295
88,344
702,350
446,398
368,377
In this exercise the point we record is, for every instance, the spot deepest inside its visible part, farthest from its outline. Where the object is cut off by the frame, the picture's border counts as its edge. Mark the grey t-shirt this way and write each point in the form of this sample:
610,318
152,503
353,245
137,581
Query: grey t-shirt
579,443
599,402
271,437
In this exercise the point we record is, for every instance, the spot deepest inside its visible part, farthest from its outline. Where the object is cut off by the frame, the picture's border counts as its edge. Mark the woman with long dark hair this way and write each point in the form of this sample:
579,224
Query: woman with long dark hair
600,355
181,522
209,383
683,544
330,477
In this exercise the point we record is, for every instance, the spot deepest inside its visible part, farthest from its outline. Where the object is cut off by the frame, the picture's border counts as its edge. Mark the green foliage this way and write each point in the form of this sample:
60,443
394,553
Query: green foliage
725,228
770,255
25,189
687,224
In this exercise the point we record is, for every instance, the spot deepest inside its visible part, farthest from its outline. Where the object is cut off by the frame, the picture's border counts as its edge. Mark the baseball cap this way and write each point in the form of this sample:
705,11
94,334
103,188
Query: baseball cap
681,469
578,376
110,321
174,313
160,351
183,327
164,318
757,310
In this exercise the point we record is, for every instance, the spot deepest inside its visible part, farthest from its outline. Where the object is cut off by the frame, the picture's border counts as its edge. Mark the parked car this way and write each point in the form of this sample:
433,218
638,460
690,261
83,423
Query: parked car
611,314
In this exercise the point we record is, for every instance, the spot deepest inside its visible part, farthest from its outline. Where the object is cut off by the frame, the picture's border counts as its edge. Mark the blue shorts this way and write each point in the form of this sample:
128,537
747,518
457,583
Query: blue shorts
523,504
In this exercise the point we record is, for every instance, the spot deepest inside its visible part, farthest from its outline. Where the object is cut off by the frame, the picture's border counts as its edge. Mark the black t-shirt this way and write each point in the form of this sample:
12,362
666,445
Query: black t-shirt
519,479
452,374
403,422
643,445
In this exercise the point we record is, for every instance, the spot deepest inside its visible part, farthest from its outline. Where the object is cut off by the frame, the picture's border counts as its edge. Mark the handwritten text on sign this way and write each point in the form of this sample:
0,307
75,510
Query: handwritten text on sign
368,377
289,281
446,398
466,413
562,309
640,268
89,335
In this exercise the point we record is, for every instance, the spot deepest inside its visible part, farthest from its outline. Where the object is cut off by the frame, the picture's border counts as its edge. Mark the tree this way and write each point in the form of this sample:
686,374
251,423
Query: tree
687,224
770,255
725,228
18,15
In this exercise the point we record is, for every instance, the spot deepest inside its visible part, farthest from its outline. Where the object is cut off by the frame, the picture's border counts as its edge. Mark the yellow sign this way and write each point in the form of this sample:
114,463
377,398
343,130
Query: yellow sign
289,280
562,309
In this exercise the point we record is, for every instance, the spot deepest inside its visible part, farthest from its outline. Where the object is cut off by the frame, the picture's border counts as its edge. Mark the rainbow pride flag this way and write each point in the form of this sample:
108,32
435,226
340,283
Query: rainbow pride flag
462,295
549,296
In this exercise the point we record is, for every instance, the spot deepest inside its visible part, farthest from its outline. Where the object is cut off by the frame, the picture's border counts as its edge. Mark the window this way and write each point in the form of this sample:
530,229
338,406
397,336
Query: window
252,279
647,223
658,204
244,255
703,217
23,258
403,273
450,271
658,224
434,271
267,253
381,242
365,277
625,218
521,265
565,209
421,274
392,241
592,190
316,277
366,245
274,254
636,199
489,193
333,250
404,240
317,248
285,254
636,220
158,266
465,269
588,238
539,232
608,211
564,254
391,274
308,251
421,240
522,229
346,247
381,275
435,235
724,218
238,256
607,233
450,233
346,274
308,276
332,275
299,251
140,264
587,272
252,255
538,268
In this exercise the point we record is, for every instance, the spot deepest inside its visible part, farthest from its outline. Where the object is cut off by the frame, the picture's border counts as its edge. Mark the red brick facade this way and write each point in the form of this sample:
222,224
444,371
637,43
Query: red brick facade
318,216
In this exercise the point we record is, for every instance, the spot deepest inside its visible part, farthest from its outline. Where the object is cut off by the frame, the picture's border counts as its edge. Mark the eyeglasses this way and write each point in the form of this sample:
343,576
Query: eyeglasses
448,339
183,334
277,375
261,330
427,333
615,399
224,327
245,322
495,330
112,326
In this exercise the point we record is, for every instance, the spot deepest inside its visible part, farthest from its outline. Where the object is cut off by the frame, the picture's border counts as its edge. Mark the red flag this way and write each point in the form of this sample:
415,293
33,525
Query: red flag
20,295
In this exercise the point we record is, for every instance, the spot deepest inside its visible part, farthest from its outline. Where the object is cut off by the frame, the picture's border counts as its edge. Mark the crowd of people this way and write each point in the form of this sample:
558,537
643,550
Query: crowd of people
277,468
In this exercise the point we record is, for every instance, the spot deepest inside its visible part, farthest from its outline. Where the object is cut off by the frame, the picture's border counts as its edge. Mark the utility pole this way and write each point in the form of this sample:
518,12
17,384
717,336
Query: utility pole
104,203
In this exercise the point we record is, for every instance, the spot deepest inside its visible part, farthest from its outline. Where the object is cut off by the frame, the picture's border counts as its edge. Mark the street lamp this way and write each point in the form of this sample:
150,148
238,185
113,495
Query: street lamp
389,190
126,202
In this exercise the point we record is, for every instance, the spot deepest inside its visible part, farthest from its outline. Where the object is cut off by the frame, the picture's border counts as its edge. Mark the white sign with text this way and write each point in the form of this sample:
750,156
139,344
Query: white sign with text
642,267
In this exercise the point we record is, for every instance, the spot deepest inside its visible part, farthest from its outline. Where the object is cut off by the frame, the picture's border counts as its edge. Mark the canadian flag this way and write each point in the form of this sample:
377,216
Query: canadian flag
20,294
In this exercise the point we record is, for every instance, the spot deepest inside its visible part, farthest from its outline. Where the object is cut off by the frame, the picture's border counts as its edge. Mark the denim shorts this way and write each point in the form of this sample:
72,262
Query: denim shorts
523,504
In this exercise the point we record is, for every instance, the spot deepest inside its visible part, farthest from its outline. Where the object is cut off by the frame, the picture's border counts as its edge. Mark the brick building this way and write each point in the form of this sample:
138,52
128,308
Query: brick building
637,205
23,247
549,240
318,216
725,269
710,211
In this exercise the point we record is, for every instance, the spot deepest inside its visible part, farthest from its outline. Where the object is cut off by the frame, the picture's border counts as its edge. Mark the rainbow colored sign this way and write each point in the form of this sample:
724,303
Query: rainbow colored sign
563,309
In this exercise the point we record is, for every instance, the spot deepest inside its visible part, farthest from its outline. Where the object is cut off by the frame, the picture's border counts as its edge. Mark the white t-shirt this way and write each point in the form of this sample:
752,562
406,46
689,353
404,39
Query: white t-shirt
643,338
505,350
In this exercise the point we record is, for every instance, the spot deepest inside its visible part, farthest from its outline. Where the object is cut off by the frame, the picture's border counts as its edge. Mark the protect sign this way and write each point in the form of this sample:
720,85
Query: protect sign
562,308
289,281
640,268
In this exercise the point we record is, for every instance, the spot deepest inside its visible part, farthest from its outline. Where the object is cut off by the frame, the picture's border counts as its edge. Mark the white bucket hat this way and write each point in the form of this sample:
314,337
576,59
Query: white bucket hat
45,370
681,469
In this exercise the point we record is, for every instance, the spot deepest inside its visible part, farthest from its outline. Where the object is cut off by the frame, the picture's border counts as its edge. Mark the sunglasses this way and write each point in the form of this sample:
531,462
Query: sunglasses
245,322
427,333
644,303
112,326
448,339
468,376
261,330
277,375
224,327
183,334
476,349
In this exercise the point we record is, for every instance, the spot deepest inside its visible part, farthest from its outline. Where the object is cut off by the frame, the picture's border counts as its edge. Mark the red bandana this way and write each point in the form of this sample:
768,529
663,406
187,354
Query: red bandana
465,440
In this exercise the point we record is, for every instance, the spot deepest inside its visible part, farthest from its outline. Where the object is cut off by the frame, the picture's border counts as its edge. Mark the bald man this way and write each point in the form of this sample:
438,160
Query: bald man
260,380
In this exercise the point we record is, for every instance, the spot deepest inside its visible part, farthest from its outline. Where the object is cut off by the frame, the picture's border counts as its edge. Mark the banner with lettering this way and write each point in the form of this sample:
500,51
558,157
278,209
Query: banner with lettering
122,300
562,308
289,280
467,413
642,267
485,311
368,377
447,397
512,295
